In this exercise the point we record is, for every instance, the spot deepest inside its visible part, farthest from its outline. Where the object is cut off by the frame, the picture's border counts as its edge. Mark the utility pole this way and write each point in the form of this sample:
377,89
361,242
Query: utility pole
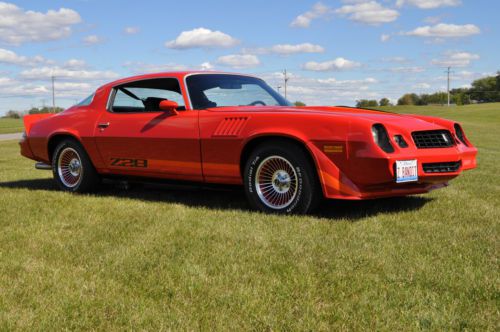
448,84
53,95
286,81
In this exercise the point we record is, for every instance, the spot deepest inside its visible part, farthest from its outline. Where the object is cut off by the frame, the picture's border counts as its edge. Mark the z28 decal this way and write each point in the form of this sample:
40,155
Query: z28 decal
125,162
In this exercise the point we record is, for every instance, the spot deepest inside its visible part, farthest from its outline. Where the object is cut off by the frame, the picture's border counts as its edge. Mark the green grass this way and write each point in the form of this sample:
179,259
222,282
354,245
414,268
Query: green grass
170,258
8,126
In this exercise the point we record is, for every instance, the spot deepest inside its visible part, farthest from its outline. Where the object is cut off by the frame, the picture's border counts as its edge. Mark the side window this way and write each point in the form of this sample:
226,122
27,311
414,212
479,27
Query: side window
146,95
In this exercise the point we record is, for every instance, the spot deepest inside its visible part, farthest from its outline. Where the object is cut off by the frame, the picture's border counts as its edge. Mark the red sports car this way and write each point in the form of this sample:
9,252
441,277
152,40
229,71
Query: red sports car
234,129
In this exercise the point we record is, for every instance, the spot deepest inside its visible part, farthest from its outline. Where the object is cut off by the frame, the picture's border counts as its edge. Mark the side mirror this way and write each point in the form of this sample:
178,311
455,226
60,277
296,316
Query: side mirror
169,106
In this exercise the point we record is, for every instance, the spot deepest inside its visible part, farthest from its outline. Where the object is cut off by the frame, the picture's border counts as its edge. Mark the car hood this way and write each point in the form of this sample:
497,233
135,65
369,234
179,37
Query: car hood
372,116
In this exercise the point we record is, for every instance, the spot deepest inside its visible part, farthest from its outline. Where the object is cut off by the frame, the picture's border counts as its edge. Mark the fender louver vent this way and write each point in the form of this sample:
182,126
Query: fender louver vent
230,127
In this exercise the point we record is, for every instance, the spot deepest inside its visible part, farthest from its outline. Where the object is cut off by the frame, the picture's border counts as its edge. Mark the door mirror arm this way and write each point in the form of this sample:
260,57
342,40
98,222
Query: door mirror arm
169,106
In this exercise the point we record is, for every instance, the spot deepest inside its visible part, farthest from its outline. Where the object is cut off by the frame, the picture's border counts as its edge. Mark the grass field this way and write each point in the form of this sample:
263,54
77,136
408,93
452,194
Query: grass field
8,126
170,258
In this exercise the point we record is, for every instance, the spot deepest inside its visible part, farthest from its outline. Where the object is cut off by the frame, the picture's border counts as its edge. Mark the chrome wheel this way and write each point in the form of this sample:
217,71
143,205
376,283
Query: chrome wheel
276,182
69,167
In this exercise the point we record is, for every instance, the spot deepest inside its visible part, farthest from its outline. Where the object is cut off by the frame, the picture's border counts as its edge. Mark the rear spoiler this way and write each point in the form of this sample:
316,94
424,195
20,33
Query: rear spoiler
29,120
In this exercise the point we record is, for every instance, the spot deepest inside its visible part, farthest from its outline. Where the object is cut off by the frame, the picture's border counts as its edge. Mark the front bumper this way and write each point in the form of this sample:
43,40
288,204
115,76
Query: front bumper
366,172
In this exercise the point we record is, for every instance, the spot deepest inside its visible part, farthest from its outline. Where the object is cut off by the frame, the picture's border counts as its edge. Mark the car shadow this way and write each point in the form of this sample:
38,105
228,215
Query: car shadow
232,198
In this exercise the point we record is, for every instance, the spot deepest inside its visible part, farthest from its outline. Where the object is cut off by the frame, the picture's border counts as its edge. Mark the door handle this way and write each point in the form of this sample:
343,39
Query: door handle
103,125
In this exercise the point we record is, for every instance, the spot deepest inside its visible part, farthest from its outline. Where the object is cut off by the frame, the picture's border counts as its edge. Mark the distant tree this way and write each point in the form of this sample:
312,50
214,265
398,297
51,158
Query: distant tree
384,102
409,99
13,115
485,89
45,109
460,96
366,103
299,103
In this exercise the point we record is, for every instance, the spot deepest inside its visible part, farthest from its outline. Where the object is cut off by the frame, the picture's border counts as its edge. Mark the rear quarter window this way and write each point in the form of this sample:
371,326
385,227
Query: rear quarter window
87,101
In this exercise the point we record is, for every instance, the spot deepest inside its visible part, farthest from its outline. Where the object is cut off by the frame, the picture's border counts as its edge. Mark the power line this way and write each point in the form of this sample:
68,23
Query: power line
53,95
286,78
448,71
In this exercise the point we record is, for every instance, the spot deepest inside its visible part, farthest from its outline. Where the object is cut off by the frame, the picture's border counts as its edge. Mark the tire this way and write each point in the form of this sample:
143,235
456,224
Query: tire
72,169
279,177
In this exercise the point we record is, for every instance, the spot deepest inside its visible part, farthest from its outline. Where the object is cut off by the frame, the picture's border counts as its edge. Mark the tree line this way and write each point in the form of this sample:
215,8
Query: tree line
483,90
34,110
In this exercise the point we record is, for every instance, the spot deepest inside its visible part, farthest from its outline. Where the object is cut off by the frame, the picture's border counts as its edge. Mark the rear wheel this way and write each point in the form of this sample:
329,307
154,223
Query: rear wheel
72,169
280,178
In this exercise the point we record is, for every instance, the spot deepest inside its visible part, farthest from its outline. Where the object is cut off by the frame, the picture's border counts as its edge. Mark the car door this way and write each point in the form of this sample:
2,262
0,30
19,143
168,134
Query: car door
135,137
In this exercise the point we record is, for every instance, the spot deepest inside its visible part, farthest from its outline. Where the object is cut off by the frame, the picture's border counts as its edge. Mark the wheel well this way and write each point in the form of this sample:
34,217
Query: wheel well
254,143
55,140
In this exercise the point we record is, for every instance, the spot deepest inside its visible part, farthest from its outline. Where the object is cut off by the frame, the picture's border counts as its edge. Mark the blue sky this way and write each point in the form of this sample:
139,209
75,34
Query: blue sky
335,51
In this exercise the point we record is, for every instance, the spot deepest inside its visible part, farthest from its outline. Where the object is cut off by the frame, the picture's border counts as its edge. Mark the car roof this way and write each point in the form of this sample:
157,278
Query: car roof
174,74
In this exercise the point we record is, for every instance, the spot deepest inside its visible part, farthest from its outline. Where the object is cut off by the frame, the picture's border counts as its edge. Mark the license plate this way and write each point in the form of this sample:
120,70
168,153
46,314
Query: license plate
406,171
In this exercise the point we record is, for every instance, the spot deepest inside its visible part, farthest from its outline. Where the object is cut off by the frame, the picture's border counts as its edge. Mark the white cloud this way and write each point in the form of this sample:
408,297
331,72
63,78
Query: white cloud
334,81
443,30
12,58
384,38
422,86
131,30
464,75
286,49
141,67
239,60
332,65
413,70
206,66
429,4
18,26
398,59
304,20
202,38
92,40
456,59
15,88
433,19
75,64
44,73
298,48
370,12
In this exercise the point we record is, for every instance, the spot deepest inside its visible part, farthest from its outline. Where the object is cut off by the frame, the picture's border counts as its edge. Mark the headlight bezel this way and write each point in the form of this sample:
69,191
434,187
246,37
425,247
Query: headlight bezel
460,134
381,138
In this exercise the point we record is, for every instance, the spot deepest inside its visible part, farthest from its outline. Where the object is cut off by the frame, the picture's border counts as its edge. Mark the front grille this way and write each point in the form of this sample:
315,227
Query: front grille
432,139
447,167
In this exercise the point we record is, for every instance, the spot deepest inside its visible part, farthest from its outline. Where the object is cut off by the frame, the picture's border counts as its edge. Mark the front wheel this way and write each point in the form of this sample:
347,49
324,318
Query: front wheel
72,169
280,178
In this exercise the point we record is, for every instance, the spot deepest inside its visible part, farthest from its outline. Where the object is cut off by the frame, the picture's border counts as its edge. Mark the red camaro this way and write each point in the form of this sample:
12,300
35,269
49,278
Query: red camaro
234,129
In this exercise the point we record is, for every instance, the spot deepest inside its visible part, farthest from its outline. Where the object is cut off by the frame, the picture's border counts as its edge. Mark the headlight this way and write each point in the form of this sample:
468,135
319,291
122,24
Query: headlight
460,134
381,137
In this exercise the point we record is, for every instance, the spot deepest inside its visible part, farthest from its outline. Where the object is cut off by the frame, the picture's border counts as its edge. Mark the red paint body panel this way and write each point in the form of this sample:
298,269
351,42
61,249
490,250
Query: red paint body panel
207,145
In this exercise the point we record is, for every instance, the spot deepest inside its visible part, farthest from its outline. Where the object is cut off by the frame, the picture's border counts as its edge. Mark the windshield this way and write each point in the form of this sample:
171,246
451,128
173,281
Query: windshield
220,90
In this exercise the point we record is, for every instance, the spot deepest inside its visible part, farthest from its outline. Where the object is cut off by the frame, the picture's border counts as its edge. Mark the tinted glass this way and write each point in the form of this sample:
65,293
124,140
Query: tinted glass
146,95
87,101
219,90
